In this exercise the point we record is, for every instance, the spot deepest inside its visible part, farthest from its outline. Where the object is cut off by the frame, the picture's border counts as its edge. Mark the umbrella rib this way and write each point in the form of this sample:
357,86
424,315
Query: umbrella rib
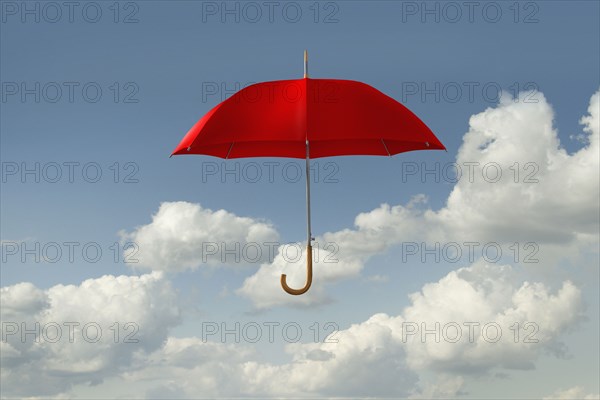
230,147
386,149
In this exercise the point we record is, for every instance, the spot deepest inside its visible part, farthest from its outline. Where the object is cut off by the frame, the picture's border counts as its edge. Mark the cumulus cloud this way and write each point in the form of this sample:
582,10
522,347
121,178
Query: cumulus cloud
383,356
553,198
185,236
574,393
445,387
337,255
363,362
22,299
377,353
189,367
264,288
72,333
478,300
473,311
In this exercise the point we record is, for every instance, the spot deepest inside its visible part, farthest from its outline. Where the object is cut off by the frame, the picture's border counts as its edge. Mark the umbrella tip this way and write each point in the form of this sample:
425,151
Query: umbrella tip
306,63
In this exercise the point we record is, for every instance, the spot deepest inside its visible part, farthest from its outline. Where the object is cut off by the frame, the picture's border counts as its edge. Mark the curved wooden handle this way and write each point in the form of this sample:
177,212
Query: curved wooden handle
297,292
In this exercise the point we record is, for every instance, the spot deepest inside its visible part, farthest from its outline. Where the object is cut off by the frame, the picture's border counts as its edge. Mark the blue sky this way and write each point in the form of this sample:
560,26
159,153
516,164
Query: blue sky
153,73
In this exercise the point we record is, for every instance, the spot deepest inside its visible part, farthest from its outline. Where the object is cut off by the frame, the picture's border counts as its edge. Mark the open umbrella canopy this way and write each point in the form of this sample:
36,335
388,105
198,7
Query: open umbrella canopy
337,117
307,118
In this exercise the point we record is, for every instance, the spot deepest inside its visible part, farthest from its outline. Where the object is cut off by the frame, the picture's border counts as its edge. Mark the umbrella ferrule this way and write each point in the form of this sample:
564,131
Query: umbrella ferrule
305,63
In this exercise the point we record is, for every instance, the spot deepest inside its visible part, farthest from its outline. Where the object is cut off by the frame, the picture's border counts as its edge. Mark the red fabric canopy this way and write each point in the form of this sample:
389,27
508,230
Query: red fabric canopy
337,117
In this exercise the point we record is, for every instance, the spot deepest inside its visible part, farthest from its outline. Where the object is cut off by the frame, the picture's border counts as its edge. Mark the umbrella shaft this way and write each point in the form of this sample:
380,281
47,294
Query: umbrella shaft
309,240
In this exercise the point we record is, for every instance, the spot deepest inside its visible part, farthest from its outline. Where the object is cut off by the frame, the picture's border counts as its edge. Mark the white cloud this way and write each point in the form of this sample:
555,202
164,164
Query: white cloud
374,357
364,362
339,255
189,367
445,387
264,288
374,354
185,236
59,354
574,393
560,206
22,299
378,278
487,294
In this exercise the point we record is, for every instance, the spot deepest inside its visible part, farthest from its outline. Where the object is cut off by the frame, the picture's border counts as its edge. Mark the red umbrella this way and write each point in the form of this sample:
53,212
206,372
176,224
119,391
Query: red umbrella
307,118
